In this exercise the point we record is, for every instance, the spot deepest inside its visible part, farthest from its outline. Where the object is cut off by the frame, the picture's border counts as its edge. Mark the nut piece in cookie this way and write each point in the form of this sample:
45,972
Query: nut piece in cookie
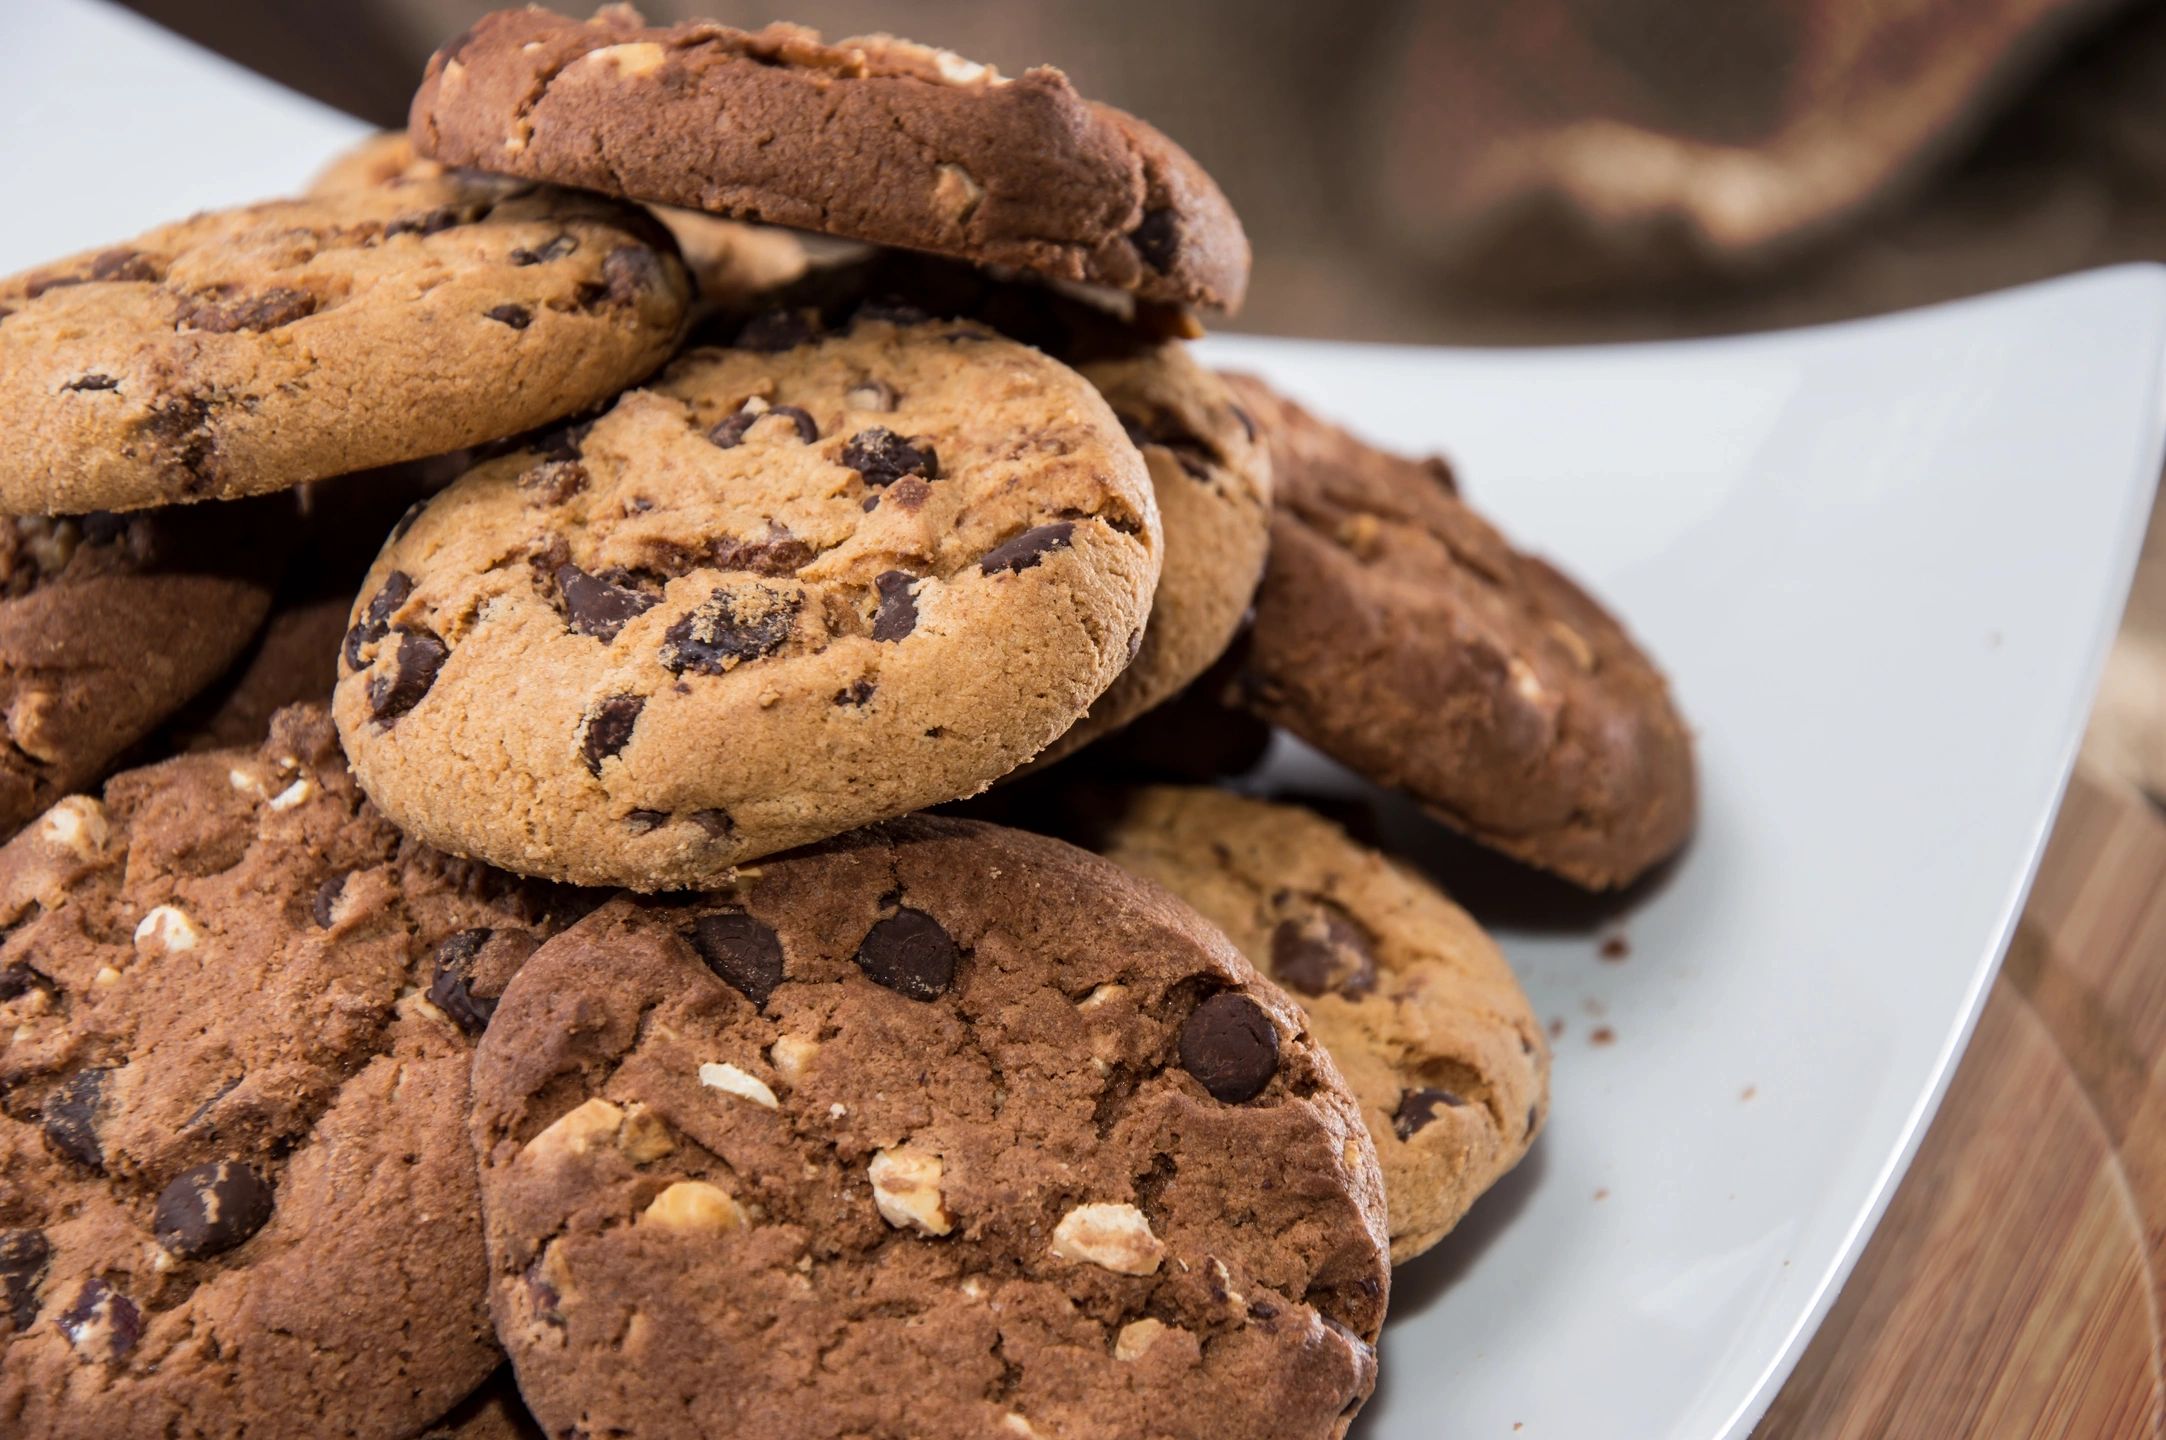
1397,631
1007,1204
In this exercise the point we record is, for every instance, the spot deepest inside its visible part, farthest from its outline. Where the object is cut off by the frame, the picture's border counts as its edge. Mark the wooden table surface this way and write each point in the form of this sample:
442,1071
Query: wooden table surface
2013,1289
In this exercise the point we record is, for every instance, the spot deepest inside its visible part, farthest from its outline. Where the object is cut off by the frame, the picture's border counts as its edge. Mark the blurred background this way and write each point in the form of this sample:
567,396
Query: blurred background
1537,171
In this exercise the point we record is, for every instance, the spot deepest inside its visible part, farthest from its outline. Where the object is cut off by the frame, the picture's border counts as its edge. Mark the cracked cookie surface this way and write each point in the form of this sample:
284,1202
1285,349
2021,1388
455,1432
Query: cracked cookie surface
109,624
235,1190
791,587
250,350
873,139
939,1130
1399,632
1413,1001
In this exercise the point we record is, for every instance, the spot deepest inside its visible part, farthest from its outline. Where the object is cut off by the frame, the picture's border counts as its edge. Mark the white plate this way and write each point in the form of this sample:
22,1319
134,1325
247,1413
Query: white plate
1881,561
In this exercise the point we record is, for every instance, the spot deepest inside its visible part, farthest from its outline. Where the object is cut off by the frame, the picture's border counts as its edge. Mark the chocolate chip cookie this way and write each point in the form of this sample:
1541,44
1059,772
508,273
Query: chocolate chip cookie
872,139
938,1130
791,587
108,624
1411,998
236,1195
253,349
1399,632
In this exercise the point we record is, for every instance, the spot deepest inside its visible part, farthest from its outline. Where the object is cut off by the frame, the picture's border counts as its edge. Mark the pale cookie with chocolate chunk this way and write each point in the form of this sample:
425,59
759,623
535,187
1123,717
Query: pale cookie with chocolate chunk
874,139
791,587
1400,633
940,1130
250,350
236,1195
1412,999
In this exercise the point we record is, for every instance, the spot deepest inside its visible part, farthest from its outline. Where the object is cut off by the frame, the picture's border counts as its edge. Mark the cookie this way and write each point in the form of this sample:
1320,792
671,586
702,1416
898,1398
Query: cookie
251,350
789,588
731,263
872,139
940,1130
1412,999
235,1190
1397,631
110,623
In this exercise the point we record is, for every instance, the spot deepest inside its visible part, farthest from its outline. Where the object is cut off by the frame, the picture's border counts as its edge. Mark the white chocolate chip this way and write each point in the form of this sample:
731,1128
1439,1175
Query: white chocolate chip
736,1082
906,1187
694,1206
645,1137
1572,640
106,976
642,57
837,1110
1101,995
577,1131
1136,1337
166,927
77,824
415,1004
1015,1424
1112,1237
33,724
791,1054
295,794
973,1287
243,781
1525,681
956,70
956,193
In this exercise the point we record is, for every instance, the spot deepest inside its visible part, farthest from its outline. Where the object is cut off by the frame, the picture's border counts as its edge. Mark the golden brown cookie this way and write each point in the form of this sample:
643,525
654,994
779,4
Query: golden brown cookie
873,139
1412,999
939,1131
791,587
250,350
1397,631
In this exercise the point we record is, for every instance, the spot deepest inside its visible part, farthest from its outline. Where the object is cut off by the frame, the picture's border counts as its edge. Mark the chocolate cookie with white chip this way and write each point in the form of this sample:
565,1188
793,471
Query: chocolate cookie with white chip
938,1130
235,1191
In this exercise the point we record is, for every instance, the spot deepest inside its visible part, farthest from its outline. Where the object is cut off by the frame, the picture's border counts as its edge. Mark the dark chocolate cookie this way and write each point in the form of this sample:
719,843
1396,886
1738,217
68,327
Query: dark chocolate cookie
1398,631
939,1130
235,1191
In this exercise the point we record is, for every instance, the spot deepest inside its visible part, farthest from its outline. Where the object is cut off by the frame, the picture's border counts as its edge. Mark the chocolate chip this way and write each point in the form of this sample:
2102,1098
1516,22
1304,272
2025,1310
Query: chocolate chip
777,553
45,283
910,954
24,1254
554,481
547,1303
92,382
1168,433
1323,952
1418,1107
773,331
413,670
1248,421
325,905
219,312
102,1323
210,1209
179,430
870,395
630,271
640,822
730,433
556,249
881,457
1022,551
857,693
744,952
518,317
596,607
375,621
1230,1045
115,265
407,519
716,823
898,612
449,991
609,728
1156,238
429,222
729,628
20,978
69,1117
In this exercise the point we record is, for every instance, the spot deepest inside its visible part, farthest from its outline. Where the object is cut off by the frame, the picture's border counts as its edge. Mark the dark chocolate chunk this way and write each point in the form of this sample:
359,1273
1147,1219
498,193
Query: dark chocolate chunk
375,621
856,693
730,433
640,822
413,670
92,382
1322,952
910,953
20,978
69,1117
1230,1045
1418,1107
1156,238
898,612
102,1324
609,728
630,271
556,249
716,823
429,222
325,905
1027,549
773,331
554,481
729,628
450,990
777,553
518,317
24,1255
594,606
220,312
116,265
406,520
210,1209
881,457
743,951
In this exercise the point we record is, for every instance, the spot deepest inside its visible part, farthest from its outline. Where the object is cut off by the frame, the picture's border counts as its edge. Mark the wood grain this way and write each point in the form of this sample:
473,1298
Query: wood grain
2014,1287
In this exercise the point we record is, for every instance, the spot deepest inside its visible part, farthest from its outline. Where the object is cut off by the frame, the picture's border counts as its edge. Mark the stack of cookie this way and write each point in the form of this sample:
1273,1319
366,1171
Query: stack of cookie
536,605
